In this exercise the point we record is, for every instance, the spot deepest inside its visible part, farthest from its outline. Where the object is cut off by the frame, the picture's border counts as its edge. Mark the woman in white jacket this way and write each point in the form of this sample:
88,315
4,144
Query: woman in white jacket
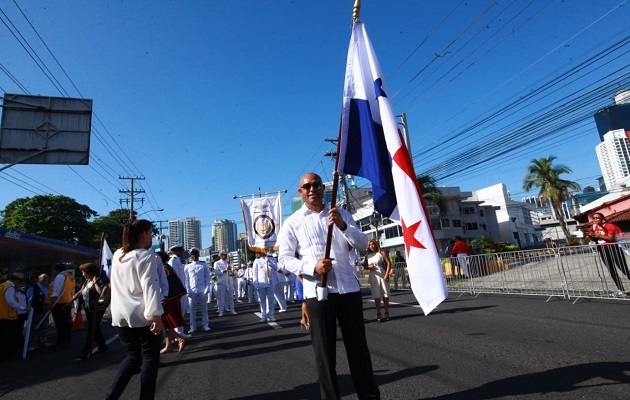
136,309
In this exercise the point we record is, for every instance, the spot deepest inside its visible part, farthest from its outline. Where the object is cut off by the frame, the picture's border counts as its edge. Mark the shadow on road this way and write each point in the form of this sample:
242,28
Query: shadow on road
557,380
311,390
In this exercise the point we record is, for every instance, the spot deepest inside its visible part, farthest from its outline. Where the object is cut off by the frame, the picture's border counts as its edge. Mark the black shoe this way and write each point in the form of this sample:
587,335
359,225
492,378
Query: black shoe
80,357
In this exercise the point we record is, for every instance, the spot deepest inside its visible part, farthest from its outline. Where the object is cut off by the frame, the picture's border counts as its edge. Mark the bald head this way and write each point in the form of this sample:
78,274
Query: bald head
312,191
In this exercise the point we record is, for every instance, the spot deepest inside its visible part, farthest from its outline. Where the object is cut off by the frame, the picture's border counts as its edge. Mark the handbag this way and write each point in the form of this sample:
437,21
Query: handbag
104,298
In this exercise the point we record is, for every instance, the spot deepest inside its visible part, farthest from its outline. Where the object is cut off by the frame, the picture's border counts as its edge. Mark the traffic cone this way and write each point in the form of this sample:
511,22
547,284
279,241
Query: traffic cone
78,322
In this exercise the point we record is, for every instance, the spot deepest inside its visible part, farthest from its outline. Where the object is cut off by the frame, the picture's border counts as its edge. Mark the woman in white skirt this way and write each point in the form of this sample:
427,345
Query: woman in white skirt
377,262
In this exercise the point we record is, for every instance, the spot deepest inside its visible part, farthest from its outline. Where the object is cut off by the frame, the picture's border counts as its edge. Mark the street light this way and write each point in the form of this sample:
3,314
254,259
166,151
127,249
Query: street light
157,209
375,222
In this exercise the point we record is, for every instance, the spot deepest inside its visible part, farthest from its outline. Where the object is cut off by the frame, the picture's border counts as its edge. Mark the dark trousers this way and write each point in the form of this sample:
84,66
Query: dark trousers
62,316
613,255
9,338
19,328
142,350
347,309
94,332
38,336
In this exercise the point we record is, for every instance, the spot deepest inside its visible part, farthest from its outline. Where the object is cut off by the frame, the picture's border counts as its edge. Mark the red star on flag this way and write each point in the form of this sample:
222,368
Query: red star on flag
409,236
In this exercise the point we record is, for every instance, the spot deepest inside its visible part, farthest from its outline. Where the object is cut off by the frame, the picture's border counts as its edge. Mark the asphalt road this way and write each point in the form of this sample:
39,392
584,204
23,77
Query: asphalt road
489,347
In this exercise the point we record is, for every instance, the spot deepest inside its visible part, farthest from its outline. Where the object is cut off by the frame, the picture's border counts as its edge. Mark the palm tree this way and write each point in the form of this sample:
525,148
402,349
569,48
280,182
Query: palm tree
430,191
542,174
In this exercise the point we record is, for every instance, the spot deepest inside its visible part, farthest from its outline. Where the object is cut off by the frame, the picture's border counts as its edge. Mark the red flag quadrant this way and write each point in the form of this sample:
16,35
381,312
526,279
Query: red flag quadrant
372,147
263,218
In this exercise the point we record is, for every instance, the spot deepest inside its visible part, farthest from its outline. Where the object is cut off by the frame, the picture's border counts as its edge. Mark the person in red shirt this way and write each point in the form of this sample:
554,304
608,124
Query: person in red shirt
460,250
604,234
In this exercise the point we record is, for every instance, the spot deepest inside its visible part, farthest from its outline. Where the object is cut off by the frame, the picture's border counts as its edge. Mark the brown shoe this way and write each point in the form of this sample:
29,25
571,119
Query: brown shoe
167,349
182,345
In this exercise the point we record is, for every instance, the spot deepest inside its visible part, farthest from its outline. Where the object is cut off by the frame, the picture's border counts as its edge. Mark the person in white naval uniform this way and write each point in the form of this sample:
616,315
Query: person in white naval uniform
282,282
225,298
242,282
249,278
265,281
197,283
289,291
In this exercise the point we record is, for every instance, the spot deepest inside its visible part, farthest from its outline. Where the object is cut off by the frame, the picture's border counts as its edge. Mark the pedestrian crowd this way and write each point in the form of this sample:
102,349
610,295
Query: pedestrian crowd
151,293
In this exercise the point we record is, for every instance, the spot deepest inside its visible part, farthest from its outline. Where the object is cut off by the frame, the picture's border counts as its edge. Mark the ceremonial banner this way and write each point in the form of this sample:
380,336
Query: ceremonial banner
263,218
372,147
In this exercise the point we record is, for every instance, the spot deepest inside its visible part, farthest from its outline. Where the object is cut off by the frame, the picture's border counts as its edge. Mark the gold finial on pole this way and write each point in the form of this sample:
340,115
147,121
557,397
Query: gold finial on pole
356,10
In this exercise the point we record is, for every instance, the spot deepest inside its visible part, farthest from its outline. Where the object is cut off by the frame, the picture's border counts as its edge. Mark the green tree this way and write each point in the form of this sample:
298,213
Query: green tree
543,174
487,244
432,193
112,226
55,217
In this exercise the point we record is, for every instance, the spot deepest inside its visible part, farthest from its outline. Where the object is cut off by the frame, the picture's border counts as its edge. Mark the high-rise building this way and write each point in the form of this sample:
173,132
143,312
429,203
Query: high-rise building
224,235
176,232
616,116
614,158
192,233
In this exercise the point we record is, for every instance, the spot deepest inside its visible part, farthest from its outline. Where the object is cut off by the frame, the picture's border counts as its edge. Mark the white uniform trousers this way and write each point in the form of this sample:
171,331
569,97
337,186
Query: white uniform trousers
200,299
229,303
250,291
184,302
242,283
267,301
225,300
279,295
289,291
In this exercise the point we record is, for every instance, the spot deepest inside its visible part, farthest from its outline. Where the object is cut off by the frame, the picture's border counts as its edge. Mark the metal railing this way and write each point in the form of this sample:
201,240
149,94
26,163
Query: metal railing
572,272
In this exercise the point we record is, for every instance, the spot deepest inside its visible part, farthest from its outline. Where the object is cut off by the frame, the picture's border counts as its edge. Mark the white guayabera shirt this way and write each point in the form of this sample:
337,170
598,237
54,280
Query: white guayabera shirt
302,242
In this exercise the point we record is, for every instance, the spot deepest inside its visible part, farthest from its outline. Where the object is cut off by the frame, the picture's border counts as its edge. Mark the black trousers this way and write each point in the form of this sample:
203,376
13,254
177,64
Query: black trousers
142,350
613,255
9,338
62,315
94,333
347,309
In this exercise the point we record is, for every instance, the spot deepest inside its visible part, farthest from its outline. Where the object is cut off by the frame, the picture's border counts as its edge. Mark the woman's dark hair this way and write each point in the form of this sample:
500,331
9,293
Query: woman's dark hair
132,233
90,268
163,256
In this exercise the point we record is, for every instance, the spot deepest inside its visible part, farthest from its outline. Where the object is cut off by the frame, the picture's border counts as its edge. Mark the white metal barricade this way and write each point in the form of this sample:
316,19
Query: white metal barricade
571,272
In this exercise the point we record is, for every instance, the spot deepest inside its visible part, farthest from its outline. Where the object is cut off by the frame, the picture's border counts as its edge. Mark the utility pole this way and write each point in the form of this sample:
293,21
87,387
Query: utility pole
132,194
403,123
345,203
160,238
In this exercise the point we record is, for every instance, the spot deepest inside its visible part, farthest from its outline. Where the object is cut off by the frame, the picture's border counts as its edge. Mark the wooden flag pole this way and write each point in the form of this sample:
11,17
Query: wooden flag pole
333,203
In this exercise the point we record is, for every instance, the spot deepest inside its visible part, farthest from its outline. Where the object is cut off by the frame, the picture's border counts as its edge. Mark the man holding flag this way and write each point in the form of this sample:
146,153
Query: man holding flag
302,242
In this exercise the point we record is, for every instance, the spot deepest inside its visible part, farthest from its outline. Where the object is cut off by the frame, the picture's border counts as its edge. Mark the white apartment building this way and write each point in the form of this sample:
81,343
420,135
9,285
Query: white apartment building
176,233
224,235
192,233
614,158
517,221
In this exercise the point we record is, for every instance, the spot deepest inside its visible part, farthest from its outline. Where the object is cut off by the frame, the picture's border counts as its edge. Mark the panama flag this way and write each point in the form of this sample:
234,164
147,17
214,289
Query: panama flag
372,147
106,260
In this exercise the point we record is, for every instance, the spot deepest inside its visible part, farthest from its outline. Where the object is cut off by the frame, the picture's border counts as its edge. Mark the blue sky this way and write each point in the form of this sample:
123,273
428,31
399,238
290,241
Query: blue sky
211,99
